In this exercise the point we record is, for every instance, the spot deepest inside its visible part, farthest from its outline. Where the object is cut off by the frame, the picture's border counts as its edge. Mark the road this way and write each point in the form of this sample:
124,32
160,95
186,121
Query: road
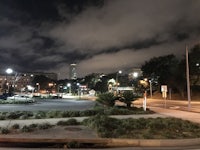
50,104
73,104
171,104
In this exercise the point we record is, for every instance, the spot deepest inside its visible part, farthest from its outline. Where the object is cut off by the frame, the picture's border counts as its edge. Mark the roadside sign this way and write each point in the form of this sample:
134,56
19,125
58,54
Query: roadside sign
163,88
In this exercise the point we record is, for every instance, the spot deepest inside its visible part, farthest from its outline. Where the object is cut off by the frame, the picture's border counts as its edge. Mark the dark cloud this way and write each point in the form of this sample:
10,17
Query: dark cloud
101,36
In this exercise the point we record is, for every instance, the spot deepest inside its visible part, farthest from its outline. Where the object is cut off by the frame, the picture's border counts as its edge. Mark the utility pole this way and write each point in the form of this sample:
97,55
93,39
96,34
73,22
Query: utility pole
188,79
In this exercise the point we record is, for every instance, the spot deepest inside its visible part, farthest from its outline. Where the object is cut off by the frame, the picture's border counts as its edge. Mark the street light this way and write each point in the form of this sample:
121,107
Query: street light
8,71
117,76
69,86
117,82
150,85
38,87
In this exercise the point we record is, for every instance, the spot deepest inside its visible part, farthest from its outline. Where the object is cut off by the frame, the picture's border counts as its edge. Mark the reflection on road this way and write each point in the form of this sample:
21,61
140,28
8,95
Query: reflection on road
50,104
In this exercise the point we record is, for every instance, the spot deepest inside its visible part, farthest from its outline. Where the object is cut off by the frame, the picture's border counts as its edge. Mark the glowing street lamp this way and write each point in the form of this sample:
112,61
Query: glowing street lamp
117,82
8,71
69,86
38,87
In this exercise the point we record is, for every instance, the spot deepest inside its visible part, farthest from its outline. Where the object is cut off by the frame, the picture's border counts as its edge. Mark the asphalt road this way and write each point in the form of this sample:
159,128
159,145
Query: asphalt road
50,104
171,104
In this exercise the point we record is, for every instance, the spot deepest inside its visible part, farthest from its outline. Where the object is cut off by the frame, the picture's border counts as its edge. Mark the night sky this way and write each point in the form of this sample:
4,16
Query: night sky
100,36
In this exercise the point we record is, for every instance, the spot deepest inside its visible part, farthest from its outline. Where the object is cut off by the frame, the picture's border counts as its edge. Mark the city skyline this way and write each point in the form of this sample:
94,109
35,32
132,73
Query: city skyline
100,36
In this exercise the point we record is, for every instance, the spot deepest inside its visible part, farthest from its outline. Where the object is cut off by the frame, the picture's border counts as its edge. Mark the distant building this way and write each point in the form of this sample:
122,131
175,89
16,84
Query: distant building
21,80
72,72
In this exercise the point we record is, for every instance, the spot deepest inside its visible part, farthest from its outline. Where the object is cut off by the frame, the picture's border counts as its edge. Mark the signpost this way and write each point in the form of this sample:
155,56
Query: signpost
164,92
145,101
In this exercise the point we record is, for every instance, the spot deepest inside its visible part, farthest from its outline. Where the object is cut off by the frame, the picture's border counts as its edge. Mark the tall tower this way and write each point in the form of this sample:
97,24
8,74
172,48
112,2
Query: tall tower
72,72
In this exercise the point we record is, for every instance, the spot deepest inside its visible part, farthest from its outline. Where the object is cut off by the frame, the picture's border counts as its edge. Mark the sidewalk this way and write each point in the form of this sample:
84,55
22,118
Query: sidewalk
185,115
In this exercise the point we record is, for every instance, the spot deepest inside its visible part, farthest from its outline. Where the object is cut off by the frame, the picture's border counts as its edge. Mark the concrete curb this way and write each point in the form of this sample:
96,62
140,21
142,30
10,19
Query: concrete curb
154,142
109,142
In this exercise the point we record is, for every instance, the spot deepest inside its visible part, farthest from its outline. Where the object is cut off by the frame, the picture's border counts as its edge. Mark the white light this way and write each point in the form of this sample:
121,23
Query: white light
135,74
68,84
197,64
9,71
120,71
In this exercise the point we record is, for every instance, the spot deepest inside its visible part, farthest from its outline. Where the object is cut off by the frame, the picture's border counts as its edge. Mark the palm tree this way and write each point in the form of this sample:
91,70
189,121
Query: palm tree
128,97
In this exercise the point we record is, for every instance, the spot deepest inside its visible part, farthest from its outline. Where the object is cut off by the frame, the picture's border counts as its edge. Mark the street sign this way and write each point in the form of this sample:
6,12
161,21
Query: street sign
163,88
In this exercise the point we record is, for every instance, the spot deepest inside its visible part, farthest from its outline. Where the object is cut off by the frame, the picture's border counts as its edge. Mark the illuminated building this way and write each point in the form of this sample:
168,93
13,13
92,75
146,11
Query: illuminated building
72,72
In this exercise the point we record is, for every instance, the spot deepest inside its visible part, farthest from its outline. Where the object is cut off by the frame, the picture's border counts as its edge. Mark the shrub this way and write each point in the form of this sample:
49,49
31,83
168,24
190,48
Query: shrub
26,129
15,126
88,112
107,99
32,126
128,97
13,115
2,117
68,122
44,126
4,131
71,114
104,125
40,115
54,114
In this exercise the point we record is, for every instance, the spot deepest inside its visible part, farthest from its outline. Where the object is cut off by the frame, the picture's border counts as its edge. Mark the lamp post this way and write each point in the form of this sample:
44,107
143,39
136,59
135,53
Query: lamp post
8,71
69,86
117,82
150,85
38,87
188,79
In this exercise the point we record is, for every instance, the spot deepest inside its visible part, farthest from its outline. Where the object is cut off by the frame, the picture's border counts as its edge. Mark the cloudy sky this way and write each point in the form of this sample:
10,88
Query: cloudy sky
99,35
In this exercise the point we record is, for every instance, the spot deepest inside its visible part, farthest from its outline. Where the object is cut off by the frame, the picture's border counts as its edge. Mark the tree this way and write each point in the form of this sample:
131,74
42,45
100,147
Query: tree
194,64
107,99
128,97
43,81
162,67
163,70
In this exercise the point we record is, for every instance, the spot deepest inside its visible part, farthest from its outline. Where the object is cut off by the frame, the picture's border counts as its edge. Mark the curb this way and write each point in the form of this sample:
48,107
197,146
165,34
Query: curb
108,142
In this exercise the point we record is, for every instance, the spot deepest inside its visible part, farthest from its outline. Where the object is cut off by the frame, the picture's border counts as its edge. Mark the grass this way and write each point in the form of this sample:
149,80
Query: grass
68,122
63,114
108,127
151,128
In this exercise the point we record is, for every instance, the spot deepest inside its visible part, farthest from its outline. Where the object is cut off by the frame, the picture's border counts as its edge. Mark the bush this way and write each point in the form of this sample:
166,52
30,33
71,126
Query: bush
104,125
128,97
32,126
54,114
44,126
162,128
13,115
40,115
5,131
15,126
26,129
71,114
68,122
2,117
107,99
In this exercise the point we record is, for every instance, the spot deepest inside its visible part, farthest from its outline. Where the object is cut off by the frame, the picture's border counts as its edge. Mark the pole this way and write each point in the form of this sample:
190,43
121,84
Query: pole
188,79
145,101
150,88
